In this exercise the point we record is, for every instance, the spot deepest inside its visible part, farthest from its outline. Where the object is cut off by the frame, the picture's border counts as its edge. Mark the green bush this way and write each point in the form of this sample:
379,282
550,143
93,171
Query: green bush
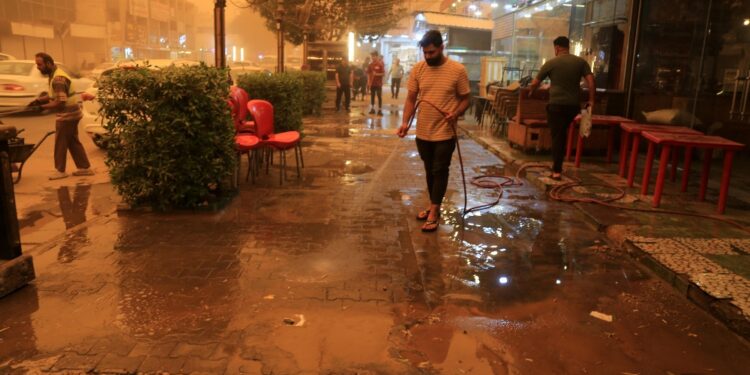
313,91
171,135
283,91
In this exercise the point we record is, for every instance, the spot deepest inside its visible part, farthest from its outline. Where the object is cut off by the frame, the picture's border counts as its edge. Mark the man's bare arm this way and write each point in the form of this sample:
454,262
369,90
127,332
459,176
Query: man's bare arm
592,91
463,105
411,101
534,85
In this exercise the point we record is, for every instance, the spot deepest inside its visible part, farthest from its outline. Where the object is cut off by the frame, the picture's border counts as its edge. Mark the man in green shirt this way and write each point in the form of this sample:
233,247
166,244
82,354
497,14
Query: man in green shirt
565,72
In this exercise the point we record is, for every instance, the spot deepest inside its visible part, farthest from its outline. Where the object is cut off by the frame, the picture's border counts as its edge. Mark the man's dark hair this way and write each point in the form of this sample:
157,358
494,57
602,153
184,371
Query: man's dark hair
47,59
562,41
432,37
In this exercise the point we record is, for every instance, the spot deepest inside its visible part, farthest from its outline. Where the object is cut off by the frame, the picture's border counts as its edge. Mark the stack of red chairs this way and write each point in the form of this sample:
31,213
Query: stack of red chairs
245,140
262,113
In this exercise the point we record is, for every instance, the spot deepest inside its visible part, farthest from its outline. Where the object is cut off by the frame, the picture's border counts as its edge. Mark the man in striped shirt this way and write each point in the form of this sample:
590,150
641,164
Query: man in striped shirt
441,87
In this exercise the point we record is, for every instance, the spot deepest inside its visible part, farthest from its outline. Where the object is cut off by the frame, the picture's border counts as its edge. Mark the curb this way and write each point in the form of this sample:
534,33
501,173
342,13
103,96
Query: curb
721,309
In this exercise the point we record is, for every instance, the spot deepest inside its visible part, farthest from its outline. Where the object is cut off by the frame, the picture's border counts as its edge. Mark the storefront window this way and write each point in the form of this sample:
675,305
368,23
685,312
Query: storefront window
689,54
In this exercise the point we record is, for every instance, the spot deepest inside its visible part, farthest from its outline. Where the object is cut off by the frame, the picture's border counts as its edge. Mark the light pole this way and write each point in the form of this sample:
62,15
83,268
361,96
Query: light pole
305,31
219,33
280,37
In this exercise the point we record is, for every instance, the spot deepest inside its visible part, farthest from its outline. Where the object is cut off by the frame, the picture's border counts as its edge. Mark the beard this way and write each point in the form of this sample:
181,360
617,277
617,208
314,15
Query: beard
434,61
45,71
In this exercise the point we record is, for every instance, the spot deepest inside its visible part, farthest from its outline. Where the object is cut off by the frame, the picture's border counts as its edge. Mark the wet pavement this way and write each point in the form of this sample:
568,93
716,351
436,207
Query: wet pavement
330,274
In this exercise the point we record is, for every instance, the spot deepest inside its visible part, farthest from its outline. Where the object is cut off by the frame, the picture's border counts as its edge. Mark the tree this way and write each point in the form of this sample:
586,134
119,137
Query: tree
330,20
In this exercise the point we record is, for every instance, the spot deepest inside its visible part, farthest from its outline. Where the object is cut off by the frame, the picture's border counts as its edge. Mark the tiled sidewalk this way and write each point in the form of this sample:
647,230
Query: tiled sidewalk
706,260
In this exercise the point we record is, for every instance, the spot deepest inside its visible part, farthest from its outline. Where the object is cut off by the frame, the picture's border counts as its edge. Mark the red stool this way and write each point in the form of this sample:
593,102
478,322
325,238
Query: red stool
634,130
611,122
689,141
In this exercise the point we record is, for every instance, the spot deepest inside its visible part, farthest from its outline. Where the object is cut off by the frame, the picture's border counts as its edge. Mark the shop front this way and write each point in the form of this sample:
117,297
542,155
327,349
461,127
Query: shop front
691,57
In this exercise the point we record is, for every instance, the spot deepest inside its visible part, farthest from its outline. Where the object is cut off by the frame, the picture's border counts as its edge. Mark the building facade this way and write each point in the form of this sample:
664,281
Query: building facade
86,32
648,55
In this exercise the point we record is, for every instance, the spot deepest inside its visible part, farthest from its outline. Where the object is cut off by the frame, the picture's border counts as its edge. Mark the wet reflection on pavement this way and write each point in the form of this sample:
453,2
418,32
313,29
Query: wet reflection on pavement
329,273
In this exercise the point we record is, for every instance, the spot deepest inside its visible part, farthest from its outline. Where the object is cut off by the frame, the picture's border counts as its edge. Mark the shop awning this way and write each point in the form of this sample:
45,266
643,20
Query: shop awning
450,20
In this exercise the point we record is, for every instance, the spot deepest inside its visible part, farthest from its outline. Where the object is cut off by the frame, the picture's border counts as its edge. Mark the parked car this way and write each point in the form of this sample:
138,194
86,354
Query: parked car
97,71
237,69
21,82
5,56
91,122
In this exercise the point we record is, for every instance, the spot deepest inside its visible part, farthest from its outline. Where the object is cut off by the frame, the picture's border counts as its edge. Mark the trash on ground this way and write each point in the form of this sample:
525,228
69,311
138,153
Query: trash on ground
270,296
298,322
601,316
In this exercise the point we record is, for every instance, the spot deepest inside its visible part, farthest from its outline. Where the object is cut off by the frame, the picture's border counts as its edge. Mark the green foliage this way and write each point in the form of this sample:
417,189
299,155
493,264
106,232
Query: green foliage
330,20
171,135
313,91
283,91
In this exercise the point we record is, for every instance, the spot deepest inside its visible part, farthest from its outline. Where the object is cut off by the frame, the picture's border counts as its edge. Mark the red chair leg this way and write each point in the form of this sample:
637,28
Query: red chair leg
725,175
686,168
647,168
296,160
624,142
707,156
302,161
660,177
633,159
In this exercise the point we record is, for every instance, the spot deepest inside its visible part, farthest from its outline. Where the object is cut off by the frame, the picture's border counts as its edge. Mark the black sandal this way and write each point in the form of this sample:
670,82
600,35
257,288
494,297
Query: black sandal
423,215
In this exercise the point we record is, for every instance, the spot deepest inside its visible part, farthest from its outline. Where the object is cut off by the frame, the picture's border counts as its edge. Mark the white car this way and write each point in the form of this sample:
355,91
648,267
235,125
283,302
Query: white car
21,82
91,122
5,56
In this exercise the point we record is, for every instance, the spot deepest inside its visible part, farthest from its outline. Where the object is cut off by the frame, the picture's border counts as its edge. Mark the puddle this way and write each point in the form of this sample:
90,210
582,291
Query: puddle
330,132
348,167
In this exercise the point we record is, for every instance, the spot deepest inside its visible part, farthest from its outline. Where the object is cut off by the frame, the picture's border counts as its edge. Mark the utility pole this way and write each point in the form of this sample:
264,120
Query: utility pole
303,18
280,37
220,33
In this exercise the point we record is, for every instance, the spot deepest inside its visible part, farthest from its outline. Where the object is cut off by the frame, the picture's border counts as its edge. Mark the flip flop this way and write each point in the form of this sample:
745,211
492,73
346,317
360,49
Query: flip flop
423,215
431,225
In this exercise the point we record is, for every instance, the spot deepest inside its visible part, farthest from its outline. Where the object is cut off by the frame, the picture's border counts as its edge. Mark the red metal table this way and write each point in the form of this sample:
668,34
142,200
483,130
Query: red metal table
634,130
689,141
612,122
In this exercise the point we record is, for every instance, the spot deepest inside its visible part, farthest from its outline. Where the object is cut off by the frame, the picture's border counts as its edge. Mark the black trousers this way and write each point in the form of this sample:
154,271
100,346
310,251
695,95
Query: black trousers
347,91
376,90
437,161
559,118
395,87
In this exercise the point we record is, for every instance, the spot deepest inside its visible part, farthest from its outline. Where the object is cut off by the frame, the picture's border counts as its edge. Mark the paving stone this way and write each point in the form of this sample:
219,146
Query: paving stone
161,364
724,285
197,366
196,350
334,294
74,361
690,264
115,345
113,363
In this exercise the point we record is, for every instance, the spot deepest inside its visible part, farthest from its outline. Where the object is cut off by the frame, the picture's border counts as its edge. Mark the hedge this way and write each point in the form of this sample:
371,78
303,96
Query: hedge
171,135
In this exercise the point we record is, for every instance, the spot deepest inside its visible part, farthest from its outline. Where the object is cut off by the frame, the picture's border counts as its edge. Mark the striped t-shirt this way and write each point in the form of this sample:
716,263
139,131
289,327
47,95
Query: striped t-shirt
442,86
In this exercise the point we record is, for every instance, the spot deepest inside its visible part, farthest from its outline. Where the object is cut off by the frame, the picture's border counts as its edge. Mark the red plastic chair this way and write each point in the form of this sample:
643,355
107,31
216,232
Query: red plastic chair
244,143
262,112
240,99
